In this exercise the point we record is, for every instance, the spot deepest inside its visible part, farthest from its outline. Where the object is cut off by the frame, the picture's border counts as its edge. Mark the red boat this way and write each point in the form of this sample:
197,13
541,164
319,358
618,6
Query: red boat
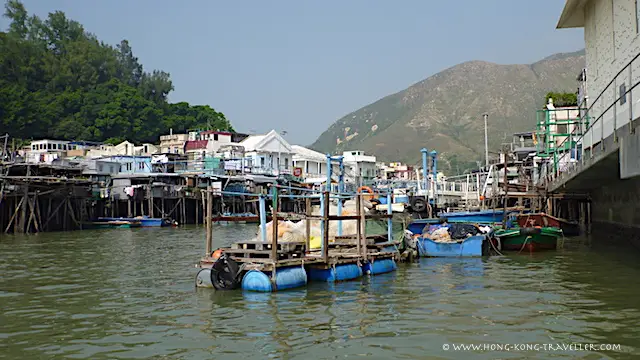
569,228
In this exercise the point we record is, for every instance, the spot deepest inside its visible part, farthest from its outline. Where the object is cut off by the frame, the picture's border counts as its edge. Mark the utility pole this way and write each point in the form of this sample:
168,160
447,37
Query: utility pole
486,141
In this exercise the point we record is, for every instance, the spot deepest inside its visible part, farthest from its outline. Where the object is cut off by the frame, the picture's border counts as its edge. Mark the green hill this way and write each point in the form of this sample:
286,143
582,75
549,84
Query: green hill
444,111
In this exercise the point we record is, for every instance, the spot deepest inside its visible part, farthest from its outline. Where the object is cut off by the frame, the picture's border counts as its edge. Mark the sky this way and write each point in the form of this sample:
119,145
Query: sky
298,66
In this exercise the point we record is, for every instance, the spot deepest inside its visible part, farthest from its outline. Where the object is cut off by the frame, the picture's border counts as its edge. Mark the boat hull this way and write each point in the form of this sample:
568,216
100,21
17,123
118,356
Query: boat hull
483,217
144,222
517,240
238,219
472,246
544,220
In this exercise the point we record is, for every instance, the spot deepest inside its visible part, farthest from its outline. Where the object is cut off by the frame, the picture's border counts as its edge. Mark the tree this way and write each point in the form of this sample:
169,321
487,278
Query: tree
59,81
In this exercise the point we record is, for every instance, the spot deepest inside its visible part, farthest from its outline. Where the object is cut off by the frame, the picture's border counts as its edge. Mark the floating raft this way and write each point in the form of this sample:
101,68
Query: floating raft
295,268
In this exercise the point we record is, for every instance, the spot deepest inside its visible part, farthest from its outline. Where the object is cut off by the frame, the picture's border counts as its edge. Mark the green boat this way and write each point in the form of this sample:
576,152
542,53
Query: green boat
531,239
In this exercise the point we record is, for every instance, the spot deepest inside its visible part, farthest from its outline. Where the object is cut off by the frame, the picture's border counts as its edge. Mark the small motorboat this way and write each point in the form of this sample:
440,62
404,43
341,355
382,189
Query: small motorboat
569,228
531,239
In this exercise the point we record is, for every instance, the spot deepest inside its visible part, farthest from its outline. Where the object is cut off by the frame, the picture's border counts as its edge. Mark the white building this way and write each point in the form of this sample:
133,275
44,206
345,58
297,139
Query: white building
124,148
359,168
611,35
46,151
216,139
269,154
313,164
146,149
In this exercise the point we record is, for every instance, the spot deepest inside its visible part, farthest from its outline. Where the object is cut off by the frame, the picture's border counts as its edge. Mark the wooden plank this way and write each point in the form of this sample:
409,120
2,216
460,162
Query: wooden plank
266,246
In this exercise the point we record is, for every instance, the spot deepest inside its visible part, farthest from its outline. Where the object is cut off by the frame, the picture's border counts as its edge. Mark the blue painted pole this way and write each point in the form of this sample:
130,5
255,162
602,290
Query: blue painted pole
340,191
328,173
425,169
389,212
263,217
434,164
322,204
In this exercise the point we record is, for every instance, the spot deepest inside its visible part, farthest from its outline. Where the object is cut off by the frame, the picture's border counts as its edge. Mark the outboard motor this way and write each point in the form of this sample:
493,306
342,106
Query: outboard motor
225,273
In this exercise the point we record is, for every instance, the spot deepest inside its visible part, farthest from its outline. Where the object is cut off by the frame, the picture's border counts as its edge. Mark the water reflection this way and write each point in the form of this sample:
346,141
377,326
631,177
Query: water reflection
130,294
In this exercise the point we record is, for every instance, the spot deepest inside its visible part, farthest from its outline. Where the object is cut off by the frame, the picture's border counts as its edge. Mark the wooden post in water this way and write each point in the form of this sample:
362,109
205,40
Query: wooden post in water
325,238
505,200
307,204
274,224
363,229
589,217
358,223
208,222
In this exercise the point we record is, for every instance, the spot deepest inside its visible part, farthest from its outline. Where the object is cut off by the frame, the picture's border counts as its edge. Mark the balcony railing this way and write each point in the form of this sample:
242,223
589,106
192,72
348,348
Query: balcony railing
613,109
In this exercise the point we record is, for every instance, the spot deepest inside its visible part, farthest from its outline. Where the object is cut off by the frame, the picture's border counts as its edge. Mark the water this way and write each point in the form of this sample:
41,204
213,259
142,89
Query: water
129,293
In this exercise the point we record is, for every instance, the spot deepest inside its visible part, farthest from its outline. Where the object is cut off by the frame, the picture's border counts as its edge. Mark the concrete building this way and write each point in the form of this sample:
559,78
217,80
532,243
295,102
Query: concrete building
146,149
196,151
611,43
609,168
215,139
396,170
359,168
173,143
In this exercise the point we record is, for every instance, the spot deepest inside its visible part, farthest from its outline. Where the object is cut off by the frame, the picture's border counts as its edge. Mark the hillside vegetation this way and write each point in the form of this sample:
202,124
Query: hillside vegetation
444,112
59,81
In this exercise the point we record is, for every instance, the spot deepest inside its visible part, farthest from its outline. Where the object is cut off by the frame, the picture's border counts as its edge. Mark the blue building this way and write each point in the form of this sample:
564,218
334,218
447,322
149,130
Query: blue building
131,164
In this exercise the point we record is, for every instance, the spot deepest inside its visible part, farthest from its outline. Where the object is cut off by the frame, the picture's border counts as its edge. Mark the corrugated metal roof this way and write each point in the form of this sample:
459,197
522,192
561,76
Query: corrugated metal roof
302,153
196,144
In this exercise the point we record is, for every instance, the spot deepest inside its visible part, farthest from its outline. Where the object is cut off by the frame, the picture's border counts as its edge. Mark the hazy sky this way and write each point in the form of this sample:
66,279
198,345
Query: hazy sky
299,65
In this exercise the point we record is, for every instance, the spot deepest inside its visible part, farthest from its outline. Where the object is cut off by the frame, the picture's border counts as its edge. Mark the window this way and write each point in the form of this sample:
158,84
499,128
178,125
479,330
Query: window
561,128
261,162
100,168
623,95
286,163
140,166
215,137
49,147
129,166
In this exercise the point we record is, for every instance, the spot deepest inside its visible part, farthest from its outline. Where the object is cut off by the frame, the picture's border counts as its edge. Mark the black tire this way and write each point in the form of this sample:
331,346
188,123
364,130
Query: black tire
224,273
418,204
530,231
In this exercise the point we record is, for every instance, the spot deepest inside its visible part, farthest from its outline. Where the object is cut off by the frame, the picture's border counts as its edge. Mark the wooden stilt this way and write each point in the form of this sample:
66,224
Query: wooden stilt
15,214
358,224
208,222
308,211
325,239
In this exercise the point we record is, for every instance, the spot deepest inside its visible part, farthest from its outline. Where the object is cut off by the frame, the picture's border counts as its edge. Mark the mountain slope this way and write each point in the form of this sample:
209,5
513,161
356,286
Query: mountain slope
444,111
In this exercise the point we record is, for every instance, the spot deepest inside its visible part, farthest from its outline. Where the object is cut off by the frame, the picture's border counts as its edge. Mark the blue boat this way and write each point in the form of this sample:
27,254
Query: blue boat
145,221
452,240
472,246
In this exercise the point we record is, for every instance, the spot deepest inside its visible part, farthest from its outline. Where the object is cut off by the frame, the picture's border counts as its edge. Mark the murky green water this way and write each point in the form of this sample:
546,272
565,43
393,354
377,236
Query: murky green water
130,294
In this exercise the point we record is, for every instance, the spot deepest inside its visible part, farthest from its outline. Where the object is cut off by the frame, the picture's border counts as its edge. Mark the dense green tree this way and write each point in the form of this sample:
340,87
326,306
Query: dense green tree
59,81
